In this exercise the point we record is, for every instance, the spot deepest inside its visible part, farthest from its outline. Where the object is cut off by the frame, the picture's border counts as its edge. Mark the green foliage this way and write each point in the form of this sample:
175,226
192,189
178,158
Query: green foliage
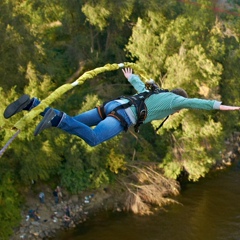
153,54
90,102
172,168
102,13
194,69
195,148
115,162
73,173
230,84
97,15
9,205
36,164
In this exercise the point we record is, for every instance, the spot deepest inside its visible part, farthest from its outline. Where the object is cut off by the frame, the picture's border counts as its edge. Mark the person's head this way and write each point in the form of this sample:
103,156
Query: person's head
180,92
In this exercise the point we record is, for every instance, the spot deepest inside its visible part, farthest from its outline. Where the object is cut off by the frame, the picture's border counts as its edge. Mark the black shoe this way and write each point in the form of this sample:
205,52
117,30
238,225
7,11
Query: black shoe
46,122
17,106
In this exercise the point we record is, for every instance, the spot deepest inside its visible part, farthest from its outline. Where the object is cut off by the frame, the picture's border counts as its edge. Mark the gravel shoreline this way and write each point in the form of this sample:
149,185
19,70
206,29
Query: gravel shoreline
51,214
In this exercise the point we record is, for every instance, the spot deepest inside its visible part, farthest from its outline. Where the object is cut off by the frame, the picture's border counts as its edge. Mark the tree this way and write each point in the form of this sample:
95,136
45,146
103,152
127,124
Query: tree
9,205
186,52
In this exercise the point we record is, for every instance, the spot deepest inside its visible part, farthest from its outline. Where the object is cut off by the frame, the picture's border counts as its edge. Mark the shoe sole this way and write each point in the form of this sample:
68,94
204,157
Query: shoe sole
16,106
50,114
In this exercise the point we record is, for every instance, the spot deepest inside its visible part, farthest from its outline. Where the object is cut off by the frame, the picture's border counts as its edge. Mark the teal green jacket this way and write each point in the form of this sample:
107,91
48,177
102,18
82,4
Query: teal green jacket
163,104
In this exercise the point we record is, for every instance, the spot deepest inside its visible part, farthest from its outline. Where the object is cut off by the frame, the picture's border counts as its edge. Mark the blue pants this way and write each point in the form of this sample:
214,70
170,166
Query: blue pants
80,125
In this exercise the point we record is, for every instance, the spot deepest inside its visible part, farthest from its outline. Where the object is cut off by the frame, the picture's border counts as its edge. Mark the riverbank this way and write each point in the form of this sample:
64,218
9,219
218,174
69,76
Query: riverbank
85,205
50,217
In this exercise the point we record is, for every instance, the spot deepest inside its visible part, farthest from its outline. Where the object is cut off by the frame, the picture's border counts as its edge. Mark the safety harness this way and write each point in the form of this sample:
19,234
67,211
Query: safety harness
138,101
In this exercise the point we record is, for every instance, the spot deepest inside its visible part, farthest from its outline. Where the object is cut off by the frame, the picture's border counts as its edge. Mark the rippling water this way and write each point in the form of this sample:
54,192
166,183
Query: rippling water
208,210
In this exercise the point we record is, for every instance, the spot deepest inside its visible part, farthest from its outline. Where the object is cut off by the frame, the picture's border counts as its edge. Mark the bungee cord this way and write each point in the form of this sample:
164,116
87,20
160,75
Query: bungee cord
9,142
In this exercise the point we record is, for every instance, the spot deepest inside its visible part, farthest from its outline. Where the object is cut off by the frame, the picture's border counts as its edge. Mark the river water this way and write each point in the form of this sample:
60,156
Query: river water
208,210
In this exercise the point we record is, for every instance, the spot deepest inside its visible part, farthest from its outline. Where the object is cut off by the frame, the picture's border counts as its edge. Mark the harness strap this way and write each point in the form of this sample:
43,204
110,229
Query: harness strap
141,109
165,119
138,102
101,111
114,114
142,115
120,118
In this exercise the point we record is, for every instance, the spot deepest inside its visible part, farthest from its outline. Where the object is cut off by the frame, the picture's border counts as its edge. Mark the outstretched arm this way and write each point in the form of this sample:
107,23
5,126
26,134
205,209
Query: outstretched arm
228,108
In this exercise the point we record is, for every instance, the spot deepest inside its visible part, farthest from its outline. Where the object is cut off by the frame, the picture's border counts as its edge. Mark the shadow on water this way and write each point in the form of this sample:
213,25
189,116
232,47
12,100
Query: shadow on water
208,210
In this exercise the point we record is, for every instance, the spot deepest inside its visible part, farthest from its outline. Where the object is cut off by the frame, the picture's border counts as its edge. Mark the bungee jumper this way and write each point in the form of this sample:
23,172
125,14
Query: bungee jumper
28,118
115,116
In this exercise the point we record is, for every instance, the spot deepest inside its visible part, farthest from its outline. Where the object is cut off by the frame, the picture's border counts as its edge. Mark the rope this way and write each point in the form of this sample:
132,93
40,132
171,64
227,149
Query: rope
9,142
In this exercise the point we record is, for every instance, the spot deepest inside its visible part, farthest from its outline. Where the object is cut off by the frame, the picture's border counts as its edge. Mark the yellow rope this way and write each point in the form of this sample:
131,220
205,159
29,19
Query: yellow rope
66,87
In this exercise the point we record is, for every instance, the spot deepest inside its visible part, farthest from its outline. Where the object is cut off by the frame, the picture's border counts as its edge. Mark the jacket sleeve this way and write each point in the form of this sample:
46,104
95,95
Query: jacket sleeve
194,103
137,83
